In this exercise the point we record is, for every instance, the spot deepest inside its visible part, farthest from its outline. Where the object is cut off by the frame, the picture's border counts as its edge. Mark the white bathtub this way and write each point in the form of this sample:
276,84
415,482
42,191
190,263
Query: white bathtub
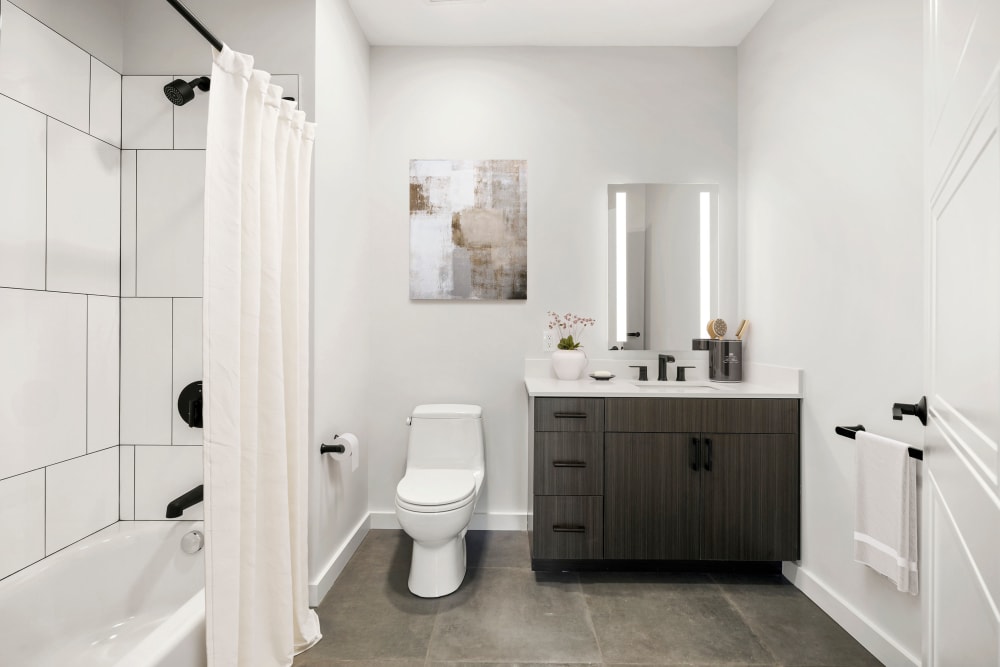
127,596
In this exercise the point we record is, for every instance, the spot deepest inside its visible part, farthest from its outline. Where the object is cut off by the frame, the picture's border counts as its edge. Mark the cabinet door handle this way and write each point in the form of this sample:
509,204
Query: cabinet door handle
569,464
694,453
570,415
708,454
569,529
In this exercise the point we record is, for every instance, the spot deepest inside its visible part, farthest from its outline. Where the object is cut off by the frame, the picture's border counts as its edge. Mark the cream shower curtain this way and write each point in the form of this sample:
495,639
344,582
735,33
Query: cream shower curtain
256,359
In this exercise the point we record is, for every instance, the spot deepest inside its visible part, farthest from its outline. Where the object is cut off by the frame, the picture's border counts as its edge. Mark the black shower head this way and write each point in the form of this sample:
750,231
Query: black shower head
180,92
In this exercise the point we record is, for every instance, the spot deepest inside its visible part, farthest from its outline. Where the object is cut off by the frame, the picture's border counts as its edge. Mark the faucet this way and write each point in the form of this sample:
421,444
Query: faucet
177,506
661,375
642,373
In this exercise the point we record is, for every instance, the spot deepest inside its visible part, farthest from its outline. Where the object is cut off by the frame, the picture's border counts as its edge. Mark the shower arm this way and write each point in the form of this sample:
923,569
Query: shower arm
196,24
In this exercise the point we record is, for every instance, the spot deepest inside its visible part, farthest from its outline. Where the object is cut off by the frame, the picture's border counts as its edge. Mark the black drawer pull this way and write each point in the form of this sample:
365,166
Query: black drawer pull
708,454
694,453
569,464
569,529
570,415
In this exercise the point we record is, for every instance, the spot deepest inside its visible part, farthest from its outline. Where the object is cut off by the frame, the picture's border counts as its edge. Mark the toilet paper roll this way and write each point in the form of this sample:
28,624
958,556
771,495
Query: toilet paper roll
350,443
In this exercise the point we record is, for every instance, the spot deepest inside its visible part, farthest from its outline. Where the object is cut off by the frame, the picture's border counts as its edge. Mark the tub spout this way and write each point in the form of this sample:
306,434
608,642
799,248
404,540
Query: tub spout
177,506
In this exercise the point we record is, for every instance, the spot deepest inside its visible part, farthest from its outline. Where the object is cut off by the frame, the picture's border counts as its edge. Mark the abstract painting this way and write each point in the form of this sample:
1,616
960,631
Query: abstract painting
468,229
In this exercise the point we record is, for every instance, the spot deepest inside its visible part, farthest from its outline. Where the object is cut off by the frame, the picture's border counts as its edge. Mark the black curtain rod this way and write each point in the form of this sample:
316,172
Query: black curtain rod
196,24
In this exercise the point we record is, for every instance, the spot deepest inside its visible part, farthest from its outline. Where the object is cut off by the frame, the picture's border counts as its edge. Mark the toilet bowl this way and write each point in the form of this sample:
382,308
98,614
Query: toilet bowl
437,496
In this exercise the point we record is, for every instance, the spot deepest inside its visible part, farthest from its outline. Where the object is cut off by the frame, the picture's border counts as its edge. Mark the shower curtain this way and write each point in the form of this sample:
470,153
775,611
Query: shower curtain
256,358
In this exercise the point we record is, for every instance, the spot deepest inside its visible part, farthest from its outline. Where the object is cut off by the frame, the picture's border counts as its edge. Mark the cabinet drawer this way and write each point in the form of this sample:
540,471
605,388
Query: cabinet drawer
568,527
569,464
752,415
569,414
655,415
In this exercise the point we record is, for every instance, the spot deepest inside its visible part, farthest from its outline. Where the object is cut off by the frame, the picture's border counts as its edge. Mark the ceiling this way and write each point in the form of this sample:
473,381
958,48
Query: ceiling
558,22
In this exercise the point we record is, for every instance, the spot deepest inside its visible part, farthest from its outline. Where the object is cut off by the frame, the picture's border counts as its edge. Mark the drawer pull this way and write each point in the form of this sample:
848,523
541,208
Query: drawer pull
569,464
569,529
694,453
708,454
570,415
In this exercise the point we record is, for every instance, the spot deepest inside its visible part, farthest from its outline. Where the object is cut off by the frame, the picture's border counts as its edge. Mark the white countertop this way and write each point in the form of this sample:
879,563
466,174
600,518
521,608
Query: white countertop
764,381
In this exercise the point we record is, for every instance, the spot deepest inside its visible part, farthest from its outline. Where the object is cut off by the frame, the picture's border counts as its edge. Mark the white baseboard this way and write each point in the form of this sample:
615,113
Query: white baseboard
321,585
859,626
498,521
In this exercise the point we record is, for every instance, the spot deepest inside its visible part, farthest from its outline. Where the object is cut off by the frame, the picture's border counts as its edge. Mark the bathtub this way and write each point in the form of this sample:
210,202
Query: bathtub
127,596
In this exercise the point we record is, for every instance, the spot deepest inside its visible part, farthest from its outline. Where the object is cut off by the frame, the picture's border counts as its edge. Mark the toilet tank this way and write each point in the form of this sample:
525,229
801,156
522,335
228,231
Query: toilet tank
446,436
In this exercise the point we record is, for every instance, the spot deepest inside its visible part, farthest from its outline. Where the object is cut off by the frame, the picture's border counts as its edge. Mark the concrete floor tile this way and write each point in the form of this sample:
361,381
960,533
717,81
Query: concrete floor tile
493,548
514,615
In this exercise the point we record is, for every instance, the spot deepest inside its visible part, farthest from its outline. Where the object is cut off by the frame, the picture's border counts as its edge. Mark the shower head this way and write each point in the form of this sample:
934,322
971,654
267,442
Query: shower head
180,92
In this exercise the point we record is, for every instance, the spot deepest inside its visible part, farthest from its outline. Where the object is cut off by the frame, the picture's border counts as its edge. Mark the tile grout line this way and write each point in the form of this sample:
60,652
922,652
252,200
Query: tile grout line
739,612
590,619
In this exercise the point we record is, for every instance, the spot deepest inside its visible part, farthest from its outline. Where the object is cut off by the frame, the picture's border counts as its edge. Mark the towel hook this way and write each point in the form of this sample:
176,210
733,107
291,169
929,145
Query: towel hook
918,409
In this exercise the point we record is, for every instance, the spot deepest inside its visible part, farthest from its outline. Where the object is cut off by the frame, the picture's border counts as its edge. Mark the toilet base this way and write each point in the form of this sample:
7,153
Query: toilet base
437,568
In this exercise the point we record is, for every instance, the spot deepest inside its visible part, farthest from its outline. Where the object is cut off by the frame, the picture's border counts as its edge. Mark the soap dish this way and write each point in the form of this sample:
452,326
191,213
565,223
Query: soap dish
601,378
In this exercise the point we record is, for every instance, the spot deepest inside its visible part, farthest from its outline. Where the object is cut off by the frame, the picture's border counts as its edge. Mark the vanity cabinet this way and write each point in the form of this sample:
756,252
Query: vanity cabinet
667,479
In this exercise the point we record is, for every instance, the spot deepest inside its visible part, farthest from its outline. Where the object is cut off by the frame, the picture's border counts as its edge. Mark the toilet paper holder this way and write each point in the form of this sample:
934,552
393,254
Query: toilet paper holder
332,449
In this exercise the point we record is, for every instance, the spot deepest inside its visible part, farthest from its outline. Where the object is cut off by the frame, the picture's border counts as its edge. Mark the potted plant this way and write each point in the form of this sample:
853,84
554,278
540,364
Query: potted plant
569,361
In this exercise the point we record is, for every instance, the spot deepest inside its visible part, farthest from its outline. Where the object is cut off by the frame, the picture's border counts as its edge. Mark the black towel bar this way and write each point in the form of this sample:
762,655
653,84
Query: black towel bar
851,432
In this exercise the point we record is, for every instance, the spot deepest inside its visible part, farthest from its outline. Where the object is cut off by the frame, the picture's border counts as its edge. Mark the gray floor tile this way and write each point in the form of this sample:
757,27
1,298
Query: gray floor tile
491,548
668,619
796,630
370,614
514,615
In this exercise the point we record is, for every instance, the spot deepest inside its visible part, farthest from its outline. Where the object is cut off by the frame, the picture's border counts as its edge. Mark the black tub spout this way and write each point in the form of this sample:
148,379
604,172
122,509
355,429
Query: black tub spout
177,506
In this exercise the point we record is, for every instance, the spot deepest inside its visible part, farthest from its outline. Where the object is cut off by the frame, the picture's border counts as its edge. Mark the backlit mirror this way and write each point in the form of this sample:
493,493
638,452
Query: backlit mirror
663,264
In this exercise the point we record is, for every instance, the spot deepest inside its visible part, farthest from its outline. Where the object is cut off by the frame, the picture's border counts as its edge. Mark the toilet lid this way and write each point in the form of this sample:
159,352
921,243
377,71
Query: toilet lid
432,488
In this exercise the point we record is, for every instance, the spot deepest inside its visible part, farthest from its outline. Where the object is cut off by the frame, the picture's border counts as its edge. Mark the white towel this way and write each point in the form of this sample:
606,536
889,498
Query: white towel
885,513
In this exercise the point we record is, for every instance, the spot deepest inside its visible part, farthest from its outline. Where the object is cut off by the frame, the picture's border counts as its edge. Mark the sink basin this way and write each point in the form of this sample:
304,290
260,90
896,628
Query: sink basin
674,387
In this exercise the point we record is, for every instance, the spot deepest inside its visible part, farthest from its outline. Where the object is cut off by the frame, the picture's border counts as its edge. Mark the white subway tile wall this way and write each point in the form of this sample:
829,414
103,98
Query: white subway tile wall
22,520
102,372
187,364
43,399
191,120
126,475
22,191
146,397
84,209
162,474
105,103
44,70
128,222
81,497
170,204
147,116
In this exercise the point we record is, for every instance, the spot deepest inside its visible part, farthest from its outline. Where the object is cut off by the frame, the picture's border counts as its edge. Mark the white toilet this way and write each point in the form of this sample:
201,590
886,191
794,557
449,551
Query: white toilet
438,493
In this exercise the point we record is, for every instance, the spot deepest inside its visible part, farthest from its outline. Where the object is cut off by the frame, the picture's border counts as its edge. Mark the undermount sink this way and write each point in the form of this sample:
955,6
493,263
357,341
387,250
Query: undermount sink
675,387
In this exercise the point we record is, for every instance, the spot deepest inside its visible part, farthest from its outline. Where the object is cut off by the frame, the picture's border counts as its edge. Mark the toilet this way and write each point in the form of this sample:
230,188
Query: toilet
438,493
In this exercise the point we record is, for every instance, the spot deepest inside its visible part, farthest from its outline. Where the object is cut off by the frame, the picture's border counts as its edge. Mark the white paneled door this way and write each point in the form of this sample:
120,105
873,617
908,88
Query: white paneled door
961,497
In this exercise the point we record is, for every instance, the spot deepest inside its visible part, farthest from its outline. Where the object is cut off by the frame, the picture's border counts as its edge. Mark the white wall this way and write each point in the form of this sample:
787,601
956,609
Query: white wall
96,26
831,228
341,253
59,259
582,118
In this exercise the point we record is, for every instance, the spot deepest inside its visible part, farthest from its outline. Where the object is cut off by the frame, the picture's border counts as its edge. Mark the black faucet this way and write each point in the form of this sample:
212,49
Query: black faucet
642,373
661,375
177,506
680,373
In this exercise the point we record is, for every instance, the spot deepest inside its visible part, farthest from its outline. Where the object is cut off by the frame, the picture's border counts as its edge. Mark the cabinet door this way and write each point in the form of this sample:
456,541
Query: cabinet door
650,496
750,497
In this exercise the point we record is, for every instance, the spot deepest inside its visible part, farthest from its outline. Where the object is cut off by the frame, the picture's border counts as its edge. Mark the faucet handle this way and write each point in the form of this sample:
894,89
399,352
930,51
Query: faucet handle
680,373
642,373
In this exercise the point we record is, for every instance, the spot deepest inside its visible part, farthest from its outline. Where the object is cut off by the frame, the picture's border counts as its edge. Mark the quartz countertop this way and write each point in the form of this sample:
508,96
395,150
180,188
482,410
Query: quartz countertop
764,381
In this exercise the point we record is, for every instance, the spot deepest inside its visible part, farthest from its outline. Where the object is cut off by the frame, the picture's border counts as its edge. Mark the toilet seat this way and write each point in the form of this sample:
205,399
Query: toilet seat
424,490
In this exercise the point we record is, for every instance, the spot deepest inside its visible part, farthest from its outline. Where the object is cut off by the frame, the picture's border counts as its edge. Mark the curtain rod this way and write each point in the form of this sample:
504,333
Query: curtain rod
196,24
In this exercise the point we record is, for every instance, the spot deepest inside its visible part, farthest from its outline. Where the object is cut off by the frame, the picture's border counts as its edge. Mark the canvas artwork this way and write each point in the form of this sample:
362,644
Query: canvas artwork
468,229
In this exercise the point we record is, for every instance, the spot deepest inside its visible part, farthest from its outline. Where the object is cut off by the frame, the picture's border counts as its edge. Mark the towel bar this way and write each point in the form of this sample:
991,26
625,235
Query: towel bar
851,431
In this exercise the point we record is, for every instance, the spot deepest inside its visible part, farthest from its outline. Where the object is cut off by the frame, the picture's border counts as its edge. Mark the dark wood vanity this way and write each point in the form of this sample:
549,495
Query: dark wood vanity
626,481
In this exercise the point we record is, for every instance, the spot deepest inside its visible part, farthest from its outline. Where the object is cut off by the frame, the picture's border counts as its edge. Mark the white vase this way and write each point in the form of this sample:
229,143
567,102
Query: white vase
569,364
